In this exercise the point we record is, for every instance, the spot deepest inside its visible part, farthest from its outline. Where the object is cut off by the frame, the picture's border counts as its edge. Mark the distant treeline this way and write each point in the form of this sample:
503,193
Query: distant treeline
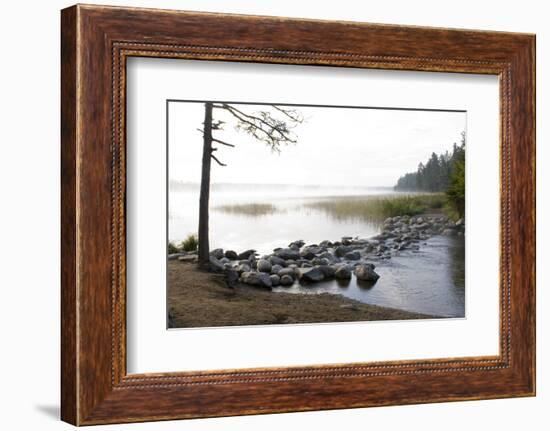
441,173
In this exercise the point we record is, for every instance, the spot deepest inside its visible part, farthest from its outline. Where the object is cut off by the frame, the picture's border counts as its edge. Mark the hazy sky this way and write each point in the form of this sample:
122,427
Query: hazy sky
336,146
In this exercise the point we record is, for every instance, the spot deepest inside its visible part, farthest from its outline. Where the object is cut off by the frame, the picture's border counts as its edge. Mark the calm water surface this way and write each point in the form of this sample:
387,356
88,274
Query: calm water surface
428,281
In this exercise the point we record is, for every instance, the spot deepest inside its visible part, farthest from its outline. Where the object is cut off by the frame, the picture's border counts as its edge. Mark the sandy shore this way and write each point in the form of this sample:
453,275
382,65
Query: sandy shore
199,299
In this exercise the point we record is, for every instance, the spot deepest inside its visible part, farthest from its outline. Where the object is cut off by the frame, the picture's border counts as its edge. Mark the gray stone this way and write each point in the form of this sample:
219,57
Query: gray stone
217,253
341,250
352,255
216,265
189,258
328,255
230,254
448,232
275,279
287,271
264,266
286,280
311,274
320,261
276,260
366,272
343,273
275,269
300,243
307,253
243,267
328,271
259,279
246,254
288,254
346,240
175,256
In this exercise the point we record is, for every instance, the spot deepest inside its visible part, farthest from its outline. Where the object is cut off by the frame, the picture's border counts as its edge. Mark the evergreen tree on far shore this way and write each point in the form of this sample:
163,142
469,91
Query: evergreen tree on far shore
440,173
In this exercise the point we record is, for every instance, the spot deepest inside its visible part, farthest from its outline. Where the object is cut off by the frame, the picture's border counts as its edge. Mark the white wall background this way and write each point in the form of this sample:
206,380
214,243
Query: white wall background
29,215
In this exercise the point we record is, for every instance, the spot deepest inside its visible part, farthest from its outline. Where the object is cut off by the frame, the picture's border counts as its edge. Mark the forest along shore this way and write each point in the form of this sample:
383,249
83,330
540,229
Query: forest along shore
200,298
246,277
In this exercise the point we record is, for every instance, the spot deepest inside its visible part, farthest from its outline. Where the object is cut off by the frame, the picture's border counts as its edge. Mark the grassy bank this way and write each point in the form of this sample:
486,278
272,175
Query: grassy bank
249,209
199,299
367,208
378,208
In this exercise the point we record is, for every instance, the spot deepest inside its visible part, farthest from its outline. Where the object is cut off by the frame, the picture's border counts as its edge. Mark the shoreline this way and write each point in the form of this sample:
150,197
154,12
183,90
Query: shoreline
199,298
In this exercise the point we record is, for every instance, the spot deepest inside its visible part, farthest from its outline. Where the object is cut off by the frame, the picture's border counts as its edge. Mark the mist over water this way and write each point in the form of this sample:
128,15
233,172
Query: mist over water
283,215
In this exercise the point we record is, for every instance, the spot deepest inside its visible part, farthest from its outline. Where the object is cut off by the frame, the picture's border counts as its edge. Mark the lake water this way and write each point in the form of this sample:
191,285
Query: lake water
265,217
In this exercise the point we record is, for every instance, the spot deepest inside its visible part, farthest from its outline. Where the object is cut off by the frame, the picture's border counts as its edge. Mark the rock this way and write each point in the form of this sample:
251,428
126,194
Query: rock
276,260
307,253
352,255
300,243
175,256
366,272
275,279
320,261
287,271
256,279
217,253
325,243
343,273
246,254
275,269
264,266
341,250
243,267
189,258
448,232
216,265
346,240
288,254
459,222
328,271
311,274
286,280
232,255
307,265
329,256
232,277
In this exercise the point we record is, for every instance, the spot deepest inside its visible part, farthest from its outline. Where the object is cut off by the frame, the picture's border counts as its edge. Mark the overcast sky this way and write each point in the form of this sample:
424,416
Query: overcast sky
336,146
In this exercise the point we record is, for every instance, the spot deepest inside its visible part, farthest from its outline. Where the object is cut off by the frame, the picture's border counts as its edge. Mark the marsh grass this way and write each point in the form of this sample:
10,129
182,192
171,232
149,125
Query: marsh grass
378,208
250,209
191,243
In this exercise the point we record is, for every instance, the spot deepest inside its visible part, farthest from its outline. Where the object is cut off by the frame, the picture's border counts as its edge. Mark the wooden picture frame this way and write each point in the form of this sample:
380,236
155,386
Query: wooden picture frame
95,43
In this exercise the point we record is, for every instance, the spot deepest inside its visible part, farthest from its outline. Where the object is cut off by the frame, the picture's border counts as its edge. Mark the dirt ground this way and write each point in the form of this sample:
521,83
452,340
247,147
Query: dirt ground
201,299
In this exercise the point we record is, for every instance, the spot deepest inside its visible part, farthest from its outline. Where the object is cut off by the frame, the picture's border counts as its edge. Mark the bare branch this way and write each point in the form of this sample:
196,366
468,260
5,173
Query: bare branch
222,142
217,161
290,113
264,127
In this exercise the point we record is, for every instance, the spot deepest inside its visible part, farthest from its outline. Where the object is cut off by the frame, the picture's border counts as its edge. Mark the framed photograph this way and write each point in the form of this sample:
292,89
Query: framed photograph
266,215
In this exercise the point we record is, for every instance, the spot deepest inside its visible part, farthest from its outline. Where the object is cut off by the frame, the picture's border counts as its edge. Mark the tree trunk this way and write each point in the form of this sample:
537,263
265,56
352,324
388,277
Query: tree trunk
204,245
